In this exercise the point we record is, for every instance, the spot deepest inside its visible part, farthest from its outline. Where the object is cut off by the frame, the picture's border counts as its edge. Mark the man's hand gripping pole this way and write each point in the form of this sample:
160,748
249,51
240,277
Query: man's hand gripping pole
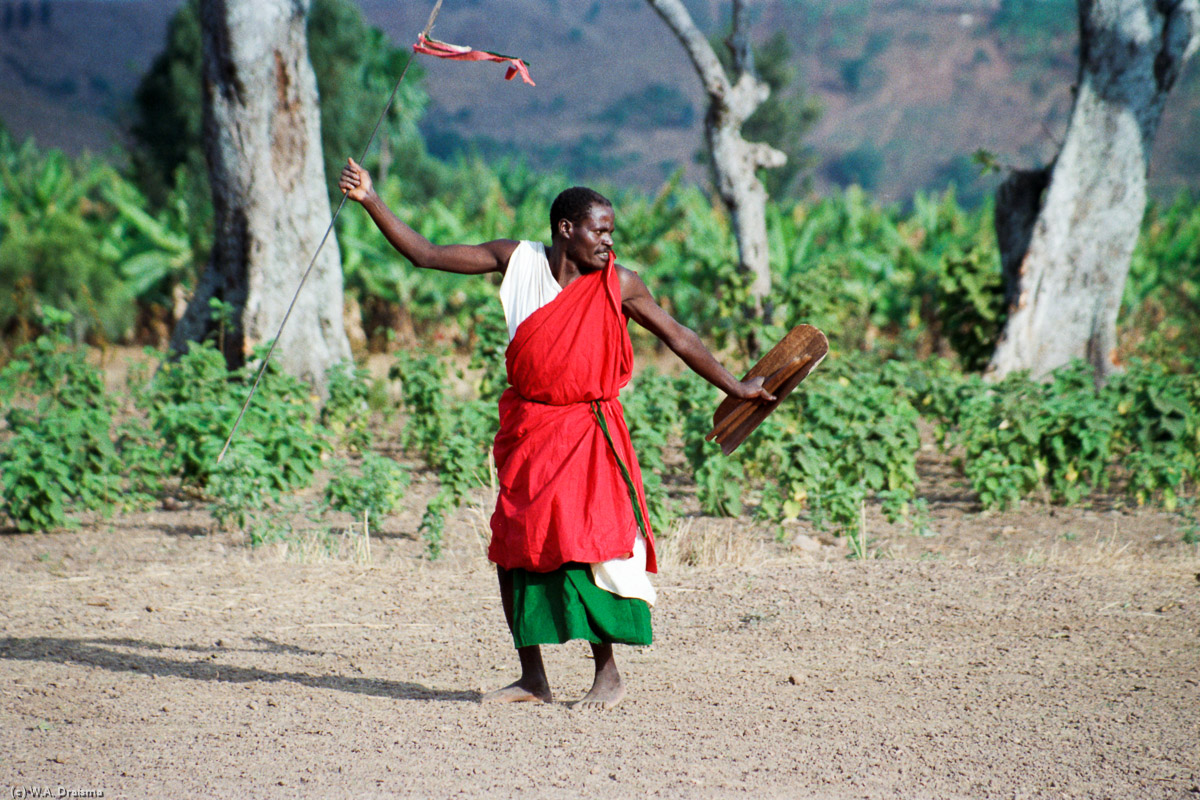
391,99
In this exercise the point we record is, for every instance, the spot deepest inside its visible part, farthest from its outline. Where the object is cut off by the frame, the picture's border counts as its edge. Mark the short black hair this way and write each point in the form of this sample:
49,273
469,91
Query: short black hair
574,204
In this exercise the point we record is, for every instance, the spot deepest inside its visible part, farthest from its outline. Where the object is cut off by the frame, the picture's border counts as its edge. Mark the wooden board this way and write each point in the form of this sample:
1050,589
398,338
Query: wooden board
787,363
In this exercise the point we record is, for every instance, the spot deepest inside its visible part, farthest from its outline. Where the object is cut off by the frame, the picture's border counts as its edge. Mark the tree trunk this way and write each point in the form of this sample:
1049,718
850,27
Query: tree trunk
263,145
735,161
1066,244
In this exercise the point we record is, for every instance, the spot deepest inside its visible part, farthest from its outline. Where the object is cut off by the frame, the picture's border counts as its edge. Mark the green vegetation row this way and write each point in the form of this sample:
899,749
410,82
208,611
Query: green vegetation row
849,438
905,282
69,445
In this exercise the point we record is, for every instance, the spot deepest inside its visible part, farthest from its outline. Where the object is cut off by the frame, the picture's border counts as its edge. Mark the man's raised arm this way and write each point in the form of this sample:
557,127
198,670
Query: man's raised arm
465,259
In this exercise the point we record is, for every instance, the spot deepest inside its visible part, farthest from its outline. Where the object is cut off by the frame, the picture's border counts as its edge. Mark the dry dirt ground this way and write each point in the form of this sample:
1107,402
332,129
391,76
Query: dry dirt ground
1041,653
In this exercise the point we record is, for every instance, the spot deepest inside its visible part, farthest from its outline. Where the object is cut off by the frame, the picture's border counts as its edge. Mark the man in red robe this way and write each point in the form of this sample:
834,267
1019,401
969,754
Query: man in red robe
570,487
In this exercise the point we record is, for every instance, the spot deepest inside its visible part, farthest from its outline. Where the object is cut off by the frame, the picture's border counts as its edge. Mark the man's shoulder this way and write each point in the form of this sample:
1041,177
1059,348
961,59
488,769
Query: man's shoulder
631,282
505,245
502,250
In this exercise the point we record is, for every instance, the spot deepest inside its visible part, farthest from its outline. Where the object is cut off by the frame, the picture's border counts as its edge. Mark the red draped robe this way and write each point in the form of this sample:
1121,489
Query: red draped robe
563,496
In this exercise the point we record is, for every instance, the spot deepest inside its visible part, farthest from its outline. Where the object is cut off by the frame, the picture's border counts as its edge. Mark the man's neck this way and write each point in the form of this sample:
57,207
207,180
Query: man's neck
562,268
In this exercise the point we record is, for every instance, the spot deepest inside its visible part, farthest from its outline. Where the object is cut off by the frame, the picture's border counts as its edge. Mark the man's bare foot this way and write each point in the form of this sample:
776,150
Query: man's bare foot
532,686
603,696
607,689
519,692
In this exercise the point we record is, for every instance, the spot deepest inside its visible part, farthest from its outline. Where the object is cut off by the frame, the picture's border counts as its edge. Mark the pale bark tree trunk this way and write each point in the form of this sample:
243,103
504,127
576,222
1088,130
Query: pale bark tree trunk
1067,232
263,144
735,161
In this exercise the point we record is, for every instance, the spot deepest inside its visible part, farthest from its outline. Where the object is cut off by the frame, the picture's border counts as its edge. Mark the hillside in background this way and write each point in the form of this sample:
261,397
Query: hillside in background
909,88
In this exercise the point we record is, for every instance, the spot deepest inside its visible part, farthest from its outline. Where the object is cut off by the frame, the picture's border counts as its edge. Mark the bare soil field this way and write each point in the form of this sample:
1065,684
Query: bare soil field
1046,652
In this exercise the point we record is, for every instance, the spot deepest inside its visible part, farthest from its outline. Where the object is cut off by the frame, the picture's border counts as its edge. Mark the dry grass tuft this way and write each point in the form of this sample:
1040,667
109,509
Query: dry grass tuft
1102,551
316,546
693,542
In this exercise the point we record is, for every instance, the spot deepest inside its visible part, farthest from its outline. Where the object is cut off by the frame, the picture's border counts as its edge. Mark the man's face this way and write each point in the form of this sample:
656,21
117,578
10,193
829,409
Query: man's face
589,241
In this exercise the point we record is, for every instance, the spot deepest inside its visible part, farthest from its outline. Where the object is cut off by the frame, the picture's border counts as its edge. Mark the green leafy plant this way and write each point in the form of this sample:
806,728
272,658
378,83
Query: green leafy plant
462,464
1021,437
719,479
423,391
1078,441
140,452
1001,434
489,340
970,300
246,500
373,493
454,438
433,522
719,486
221,313
844,441
652,415
191,403
61,455
1157,429
376,490
347,411
1162,293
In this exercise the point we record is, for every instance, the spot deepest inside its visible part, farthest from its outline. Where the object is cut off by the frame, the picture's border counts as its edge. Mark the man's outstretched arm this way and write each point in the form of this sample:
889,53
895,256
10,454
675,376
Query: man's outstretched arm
683,341
465,259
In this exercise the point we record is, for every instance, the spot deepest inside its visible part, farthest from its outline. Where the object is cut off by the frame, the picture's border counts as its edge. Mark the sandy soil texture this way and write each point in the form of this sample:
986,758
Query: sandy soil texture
1028,655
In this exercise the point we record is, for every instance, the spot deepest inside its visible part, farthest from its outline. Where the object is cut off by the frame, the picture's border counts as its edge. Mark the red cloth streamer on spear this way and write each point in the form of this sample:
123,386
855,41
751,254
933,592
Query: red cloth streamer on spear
458,52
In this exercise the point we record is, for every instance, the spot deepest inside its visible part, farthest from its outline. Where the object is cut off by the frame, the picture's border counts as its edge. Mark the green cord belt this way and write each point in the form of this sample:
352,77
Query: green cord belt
637,506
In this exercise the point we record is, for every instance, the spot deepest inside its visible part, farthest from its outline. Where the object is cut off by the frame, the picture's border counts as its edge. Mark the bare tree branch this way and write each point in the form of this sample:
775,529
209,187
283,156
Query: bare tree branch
707,65
735,161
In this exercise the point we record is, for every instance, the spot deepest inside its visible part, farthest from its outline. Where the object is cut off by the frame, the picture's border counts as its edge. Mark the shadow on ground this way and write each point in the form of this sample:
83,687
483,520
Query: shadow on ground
98,653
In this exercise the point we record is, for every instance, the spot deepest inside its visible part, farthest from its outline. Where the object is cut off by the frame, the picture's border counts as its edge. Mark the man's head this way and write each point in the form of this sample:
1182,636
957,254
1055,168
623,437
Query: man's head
581,222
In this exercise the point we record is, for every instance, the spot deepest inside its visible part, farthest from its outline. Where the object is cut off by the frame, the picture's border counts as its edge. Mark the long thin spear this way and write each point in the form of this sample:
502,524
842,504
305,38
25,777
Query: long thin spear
428,28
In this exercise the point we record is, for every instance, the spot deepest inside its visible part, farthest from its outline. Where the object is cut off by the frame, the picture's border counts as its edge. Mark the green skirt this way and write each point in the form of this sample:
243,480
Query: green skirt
555,607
